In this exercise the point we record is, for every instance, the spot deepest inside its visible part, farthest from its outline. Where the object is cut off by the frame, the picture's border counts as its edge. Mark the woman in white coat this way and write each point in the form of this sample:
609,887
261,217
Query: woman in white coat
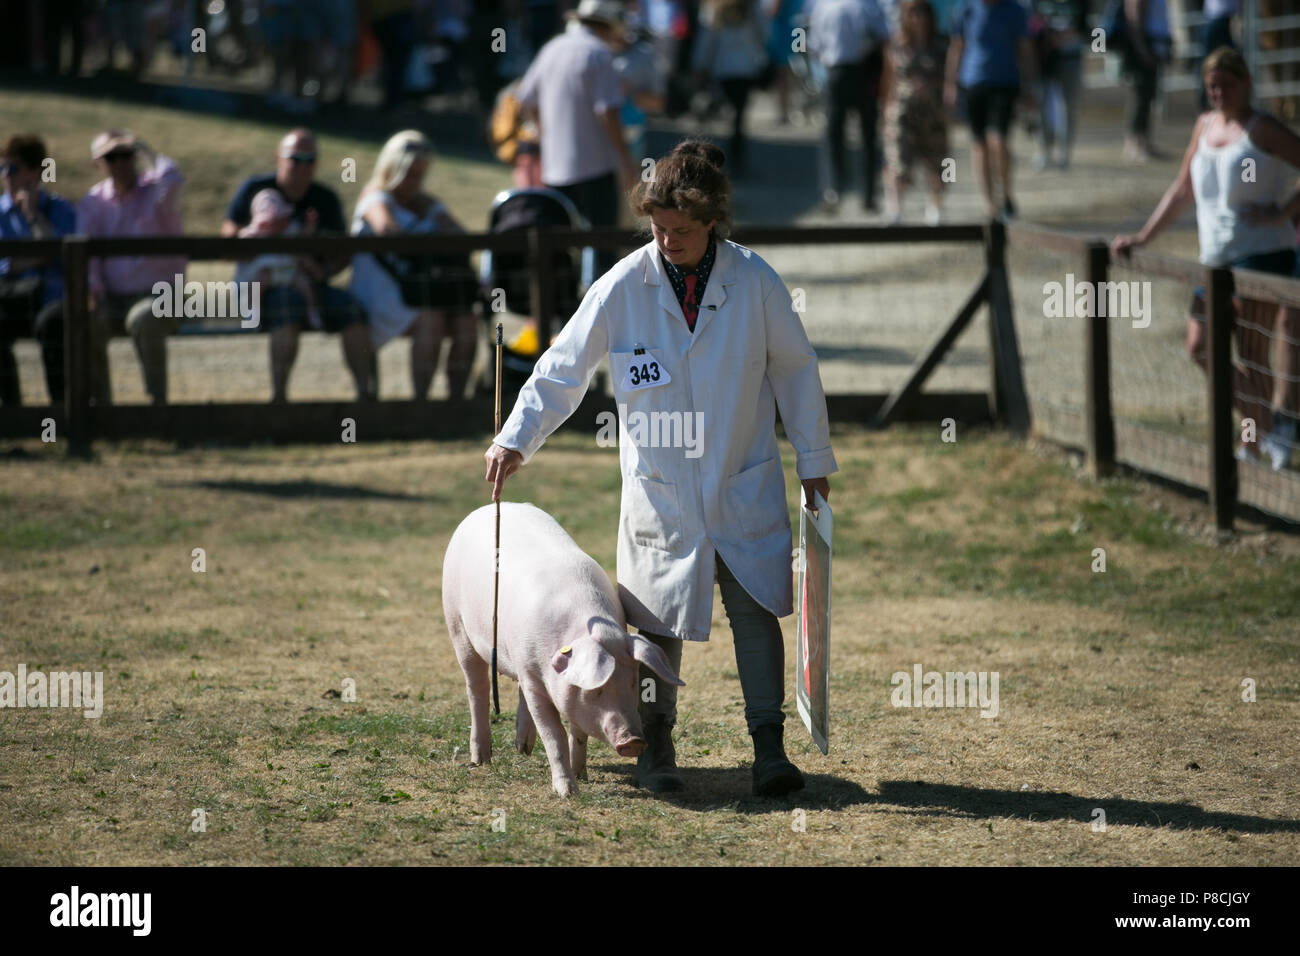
704,345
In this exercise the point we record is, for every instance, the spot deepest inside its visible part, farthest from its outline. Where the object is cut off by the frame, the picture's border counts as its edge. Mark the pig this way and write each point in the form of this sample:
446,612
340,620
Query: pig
561,633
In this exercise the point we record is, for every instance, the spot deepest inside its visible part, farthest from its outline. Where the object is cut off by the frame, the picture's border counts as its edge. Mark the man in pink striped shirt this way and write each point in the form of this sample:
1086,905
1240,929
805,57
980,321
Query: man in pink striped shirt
130,203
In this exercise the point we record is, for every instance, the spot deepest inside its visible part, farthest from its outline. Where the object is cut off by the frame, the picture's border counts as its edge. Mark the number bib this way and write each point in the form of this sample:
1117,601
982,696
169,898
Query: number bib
642,371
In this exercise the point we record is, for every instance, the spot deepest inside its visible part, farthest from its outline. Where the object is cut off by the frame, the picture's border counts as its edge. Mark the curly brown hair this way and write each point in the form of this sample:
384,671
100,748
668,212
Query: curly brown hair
690,180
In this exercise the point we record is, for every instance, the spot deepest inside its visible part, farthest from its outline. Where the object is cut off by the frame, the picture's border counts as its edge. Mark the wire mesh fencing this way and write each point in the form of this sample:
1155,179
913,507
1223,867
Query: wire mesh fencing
1154,390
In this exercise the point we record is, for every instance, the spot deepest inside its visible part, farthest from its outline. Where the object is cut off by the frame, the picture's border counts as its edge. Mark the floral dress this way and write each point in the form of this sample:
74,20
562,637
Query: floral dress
916,125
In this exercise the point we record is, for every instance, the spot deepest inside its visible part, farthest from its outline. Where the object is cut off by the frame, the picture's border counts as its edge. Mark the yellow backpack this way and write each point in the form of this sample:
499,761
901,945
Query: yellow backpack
507,128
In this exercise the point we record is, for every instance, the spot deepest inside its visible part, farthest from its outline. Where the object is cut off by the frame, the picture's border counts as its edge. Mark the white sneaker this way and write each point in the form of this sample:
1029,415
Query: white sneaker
933,215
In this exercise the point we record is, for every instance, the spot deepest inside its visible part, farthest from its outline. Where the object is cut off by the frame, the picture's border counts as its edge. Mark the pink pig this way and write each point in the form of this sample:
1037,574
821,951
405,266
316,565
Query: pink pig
561,634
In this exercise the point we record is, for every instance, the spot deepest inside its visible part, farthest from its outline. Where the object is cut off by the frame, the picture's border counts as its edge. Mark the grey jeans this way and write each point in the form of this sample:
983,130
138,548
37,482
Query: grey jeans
760,658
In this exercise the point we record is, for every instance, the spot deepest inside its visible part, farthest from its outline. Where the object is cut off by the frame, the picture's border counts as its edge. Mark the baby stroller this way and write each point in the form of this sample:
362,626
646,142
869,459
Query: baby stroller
572,272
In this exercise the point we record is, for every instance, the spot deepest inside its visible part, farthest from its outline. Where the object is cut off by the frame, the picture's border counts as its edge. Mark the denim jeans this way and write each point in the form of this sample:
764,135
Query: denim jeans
760,657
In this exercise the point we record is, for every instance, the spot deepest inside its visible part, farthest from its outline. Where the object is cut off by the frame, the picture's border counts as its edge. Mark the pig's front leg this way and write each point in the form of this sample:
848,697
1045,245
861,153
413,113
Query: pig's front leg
549,726
578,753
525,731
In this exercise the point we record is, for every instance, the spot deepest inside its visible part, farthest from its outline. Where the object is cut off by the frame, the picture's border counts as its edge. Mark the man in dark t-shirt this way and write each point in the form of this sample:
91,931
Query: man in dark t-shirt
325,202
283,309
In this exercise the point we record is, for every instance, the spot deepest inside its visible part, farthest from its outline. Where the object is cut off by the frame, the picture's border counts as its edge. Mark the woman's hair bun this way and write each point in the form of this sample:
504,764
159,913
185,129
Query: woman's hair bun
690,180
702,149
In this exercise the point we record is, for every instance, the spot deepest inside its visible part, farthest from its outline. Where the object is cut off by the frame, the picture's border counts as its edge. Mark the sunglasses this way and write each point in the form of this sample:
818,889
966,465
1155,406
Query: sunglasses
117,155
304,159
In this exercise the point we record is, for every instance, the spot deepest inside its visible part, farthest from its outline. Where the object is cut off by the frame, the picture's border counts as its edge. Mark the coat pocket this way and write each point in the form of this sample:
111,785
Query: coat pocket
652,517
757,498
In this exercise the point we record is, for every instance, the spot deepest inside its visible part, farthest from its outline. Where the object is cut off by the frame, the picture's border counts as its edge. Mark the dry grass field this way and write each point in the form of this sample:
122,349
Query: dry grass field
1119,690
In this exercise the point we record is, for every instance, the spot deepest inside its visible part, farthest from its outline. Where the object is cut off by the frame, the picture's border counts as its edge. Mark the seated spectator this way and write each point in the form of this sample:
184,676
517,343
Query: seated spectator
273,216
426,297
130,203
31,290
284,310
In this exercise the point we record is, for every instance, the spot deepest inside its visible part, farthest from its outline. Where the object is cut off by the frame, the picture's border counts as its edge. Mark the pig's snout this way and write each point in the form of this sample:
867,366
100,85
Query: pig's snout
631,747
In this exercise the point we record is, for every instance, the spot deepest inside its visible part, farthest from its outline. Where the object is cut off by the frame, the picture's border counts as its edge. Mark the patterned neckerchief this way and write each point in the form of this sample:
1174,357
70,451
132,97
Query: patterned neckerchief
689,286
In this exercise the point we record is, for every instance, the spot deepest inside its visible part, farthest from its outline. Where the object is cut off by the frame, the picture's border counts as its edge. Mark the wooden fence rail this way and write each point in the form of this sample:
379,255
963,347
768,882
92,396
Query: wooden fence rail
1213,468
1005,401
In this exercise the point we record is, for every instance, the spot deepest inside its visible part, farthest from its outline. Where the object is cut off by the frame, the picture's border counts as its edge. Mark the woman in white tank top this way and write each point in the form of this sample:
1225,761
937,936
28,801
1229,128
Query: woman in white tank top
1241,169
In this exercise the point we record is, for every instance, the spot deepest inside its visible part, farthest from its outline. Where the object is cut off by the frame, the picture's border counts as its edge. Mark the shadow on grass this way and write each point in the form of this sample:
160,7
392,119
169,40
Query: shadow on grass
716,788
308,489
949,800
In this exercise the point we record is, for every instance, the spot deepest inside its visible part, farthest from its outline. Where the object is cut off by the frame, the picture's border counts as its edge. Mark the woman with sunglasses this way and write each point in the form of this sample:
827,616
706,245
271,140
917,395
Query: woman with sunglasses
429,298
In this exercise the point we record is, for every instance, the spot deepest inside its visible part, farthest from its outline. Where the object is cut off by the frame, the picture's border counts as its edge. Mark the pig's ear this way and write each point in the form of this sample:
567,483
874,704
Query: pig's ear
650,655
584,663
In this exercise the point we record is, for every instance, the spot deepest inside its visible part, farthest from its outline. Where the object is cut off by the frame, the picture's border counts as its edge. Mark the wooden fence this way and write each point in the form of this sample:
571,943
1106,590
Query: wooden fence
1005,401
80,421
1212,467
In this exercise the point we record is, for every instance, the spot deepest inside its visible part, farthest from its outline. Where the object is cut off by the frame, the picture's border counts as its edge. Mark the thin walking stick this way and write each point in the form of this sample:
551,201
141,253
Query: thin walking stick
496,551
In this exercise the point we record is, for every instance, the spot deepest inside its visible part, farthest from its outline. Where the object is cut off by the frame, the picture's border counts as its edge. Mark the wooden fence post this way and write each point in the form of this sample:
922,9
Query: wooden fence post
1096,351
76,347
541,284
1218,334
1007,400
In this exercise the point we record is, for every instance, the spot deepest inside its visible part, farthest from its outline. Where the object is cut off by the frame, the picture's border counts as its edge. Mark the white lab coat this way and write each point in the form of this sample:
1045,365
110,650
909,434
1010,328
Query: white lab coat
747,355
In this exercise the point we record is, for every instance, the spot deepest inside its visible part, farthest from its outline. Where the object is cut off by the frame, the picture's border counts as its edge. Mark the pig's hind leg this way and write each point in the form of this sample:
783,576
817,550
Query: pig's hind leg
551,729
525,730
478,687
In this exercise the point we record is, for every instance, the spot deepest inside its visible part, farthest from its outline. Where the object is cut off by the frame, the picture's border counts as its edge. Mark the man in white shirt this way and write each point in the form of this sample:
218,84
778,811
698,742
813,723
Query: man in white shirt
573,90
